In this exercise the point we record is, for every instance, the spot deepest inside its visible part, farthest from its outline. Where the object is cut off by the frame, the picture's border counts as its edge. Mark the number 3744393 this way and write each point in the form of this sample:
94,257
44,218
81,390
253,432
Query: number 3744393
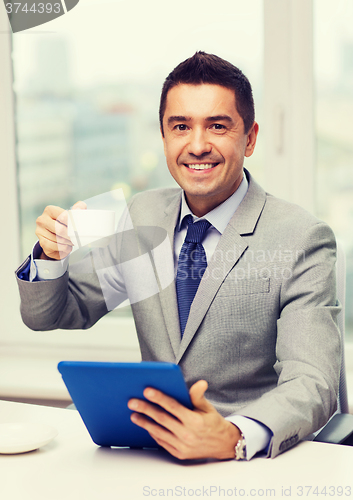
330,491
33,8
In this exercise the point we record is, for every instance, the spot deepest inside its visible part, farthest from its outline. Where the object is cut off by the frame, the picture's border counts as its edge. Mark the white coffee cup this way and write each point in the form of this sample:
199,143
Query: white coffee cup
90,227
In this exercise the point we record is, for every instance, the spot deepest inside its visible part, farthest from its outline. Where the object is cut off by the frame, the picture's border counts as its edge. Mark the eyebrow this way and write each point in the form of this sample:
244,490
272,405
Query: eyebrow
173,119
217,118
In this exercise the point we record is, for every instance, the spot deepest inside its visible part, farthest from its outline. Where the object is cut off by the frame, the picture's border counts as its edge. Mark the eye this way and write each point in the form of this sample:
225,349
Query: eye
181,127
218,126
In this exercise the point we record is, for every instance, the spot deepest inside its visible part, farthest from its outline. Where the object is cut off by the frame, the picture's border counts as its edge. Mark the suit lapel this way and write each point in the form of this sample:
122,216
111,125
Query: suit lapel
230,248
167,295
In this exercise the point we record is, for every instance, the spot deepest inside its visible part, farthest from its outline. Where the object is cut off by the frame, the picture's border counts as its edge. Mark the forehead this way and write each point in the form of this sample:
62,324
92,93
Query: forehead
200,101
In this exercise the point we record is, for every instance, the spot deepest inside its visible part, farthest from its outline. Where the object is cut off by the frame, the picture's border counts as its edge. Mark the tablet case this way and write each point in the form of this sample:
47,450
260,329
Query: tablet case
102,390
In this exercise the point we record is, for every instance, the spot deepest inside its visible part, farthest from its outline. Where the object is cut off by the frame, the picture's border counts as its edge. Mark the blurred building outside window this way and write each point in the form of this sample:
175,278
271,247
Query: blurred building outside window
333,44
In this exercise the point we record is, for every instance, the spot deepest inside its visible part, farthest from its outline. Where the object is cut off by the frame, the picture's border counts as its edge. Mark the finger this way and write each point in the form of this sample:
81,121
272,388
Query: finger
53,250
60,226
159,433
52,230
53,211
50,218
185,419
177,451
151,426
155,413
79,205
48,232
197,396
45,234
167,446
169,404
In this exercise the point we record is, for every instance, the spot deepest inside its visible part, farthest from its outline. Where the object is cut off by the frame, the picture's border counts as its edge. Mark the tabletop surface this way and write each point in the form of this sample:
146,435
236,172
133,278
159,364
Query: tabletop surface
73,467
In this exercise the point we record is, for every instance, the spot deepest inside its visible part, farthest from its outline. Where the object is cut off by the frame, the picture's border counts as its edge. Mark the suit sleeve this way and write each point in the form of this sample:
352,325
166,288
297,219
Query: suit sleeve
78,299
73,301
307,347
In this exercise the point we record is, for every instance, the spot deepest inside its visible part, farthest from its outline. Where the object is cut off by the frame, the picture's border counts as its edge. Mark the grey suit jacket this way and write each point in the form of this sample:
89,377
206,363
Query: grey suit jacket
262,328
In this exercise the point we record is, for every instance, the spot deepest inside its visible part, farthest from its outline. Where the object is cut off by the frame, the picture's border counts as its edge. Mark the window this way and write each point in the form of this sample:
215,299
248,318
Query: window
333,39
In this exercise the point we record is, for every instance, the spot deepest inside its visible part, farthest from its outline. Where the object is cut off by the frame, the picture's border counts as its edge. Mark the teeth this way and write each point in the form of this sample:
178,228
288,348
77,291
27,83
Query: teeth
202,166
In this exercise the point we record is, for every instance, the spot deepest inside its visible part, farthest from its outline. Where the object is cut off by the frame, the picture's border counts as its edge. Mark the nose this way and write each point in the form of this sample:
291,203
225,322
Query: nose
198,143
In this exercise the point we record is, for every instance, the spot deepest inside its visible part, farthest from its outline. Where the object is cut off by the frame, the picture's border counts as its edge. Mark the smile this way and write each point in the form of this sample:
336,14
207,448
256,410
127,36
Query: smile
201,166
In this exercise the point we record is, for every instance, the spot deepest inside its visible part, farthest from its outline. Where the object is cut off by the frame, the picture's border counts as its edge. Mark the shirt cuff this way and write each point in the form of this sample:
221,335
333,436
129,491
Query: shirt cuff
257,435
42,270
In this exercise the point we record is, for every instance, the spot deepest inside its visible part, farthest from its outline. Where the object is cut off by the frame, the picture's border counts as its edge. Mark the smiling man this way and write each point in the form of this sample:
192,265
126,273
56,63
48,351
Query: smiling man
251,316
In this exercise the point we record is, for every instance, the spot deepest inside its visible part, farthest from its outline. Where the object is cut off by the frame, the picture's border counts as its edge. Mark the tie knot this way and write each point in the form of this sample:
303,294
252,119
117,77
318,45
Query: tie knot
196,230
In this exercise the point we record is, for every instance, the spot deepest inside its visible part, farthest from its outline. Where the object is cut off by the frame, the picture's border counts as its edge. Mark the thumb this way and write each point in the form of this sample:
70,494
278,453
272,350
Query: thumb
79,205
197,396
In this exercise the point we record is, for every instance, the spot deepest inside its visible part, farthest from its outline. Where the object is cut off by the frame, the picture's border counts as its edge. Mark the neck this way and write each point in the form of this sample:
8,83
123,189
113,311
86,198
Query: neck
202,205
201,208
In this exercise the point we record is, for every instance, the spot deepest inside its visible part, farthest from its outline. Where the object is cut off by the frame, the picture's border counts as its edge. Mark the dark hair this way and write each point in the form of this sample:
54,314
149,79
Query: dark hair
211,69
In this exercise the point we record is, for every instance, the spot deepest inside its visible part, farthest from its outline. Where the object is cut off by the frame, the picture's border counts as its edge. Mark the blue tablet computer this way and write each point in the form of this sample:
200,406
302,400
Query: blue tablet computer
101,391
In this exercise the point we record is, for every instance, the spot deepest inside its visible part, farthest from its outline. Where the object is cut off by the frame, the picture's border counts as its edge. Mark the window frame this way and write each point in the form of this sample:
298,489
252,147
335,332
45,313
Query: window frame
289,105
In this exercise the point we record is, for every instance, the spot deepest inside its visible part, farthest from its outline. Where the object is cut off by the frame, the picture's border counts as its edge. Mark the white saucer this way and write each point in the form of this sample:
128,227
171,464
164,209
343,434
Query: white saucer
22,437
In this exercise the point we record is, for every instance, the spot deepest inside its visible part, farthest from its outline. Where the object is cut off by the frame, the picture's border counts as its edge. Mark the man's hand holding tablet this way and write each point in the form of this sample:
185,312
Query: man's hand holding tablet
184,433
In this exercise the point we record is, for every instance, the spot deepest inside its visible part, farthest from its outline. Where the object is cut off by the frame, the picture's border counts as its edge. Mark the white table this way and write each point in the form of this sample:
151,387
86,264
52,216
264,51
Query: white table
73,467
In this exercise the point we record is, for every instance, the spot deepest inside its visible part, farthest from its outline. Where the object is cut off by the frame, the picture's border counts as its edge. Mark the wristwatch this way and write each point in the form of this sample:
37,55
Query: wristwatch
240,448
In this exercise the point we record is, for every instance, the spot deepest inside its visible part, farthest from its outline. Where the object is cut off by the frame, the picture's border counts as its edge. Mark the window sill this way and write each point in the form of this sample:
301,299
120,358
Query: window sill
31,373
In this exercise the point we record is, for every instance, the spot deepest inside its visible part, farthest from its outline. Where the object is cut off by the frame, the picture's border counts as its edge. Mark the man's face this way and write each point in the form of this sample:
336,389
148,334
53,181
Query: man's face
205,143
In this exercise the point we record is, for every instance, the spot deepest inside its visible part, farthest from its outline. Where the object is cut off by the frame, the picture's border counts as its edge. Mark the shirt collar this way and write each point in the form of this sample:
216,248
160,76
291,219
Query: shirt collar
220,216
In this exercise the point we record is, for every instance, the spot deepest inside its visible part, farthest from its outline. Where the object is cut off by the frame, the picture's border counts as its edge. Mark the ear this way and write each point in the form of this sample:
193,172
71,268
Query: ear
251,139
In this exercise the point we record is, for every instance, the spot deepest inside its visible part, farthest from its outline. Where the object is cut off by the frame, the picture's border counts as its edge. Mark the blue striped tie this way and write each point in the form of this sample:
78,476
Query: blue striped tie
191,267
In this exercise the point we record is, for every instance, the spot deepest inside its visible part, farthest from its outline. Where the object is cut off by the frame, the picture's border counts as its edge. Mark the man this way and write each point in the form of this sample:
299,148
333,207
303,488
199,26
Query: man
261,327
